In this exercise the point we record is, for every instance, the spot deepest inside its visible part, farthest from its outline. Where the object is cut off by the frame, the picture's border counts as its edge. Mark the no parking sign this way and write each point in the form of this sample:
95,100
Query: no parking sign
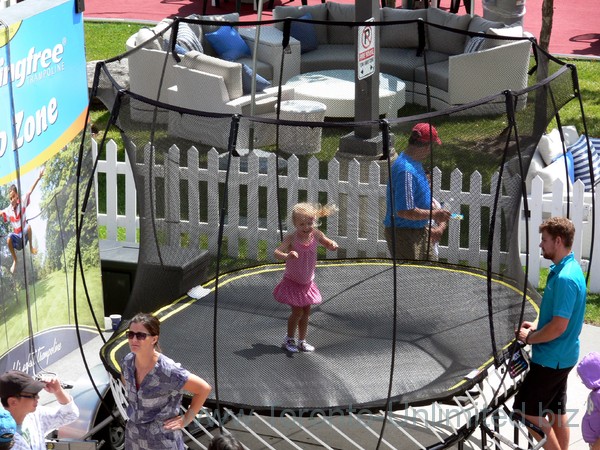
366,50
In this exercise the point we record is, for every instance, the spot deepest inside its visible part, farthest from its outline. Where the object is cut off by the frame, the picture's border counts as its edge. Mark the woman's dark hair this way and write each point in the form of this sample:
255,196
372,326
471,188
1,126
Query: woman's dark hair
150,323
225,442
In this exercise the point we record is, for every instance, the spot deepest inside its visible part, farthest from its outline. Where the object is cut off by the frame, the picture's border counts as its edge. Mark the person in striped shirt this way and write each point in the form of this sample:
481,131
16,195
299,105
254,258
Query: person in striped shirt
15,214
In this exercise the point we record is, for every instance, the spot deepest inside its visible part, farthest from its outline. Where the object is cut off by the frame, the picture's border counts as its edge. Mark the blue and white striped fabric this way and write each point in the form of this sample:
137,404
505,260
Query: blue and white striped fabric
187,39
581,162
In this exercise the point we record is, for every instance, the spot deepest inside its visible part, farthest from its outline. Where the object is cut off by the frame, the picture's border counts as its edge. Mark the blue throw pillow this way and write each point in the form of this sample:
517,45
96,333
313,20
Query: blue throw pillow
228,43
305,33
570,165
581,163
247,73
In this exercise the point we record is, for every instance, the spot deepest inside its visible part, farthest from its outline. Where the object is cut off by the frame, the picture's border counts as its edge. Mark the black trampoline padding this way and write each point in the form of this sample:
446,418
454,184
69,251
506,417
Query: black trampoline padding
442,336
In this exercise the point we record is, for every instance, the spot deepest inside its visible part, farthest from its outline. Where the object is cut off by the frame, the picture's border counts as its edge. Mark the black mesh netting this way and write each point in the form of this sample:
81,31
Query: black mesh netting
216,181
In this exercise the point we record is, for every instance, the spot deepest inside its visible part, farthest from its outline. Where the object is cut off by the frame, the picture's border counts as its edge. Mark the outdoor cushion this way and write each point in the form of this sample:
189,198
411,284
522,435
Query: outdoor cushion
231,72
339,12
206,28
568,156
318,12
550,146
228,43
570,133
479,25
581,162
145,34
305,33
437,75
446,41
516,31
401,35
474,44
247,73
187,39
548,174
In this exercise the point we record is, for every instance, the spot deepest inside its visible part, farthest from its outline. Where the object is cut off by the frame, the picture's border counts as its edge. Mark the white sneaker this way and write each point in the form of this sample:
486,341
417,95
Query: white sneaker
290,345
304,346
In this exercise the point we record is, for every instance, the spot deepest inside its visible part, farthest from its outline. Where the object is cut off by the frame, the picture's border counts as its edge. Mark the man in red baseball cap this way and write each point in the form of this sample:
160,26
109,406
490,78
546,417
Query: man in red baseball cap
408,187
19,394
425,133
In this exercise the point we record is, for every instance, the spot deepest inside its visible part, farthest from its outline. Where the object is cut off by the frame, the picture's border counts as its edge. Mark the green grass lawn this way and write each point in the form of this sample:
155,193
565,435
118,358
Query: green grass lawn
45,298
105,40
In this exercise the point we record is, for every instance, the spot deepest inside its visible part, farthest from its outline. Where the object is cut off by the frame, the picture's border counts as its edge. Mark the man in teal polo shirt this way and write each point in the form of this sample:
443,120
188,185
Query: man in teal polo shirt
409,188
555,337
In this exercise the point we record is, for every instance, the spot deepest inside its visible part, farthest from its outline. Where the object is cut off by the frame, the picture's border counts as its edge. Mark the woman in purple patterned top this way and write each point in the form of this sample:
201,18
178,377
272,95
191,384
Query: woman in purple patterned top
298,289
154,384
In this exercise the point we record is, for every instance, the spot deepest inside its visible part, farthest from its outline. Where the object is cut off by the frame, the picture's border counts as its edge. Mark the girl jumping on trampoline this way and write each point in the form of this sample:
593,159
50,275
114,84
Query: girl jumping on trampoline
298,289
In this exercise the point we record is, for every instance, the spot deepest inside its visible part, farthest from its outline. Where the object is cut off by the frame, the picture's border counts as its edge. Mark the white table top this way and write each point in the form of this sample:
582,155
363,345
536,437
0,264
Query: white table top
335,88
302,106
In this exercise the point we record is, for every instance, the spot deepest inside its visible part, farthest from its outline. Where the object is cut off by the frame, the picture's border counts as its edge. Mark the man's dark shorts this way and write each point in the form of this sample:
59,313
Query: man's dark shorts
544,391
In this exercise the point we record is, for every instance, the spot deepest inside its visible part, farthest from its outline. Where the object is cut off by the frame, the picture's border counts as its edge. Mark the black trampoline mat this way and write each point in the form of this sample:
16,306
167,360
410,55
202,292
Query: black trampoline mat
442,335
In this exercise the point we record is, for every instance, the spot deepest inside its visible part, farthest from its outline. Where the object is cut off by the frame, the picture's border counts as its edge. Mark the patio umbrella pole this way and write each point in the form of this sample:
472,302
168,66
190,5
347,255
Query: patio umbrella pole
253,86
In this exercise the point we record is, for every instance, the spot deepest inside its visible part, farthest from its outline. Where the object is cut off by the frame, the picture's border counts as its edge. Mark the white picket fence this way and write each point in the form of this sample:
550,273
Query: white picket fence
364,191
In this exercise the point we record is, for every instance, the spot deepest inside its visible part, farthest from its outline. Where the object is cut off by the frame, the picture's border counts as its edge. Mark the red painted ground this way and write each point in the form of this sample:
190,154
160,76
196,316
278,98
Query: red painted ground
575,29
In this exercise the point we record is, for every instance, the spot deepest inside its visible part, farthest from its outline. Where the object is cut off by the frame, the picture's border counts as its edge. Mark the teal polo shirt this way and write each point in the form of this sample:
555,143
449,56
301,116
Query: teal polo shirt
564,296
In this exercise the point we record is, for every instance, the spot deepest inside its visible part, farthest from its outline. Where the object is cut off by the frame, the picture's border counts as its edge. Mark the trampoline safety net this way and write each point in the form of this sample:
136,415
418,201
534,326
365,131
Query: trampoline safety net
216,185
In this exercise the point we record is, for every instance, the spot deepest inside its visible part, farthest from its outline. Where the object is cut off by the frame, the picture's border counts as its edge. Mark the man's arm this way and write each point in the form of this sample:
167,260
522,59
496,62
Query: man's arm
547,333
439,215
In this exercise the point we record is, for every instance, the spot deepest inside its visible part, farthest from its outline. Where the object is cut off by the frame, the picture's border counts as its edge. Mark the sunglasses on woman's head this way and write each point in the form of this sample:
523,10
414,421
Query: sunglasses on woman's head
139,335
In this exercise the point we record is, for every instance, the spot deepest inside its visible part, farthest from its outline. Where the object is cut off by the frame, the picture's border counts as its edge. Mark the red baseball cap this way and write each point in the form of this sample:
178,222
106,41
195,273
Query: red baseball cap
426,133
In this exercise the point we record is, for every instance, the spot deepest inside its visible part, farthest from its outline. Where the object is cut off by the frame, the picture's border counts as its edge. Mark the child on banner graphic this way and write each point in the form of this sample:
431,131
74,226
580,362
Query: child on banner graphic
15,214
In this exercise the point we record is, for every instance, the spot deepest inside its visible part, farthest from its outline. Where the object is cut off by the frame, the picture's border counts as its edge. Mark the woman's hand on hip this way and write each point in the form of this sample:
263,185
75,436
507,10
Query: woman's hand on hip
174,423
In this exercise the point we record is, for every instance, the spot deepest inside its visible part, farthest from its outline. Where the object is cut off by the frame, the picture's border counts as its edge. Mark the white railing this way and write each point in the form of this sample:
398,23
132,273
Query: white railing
366,194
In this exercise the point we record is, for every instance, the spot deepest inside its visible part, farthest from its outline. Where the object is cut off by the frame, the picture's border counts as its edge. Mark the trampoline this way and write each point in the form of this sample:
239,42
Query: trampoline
442,336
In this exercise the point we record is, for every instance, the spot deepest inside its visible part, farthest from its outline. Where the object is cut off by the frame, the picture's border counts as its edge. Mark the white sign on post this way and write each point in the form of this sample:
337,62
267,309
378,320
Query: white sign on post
366,50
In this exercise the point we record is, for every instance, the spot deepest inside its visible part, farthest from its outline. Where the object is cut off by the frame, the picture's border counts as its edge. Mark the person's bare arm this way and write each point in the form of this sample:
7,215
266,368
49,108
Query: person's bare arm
284,250
199,390
329,244
36,180
547,333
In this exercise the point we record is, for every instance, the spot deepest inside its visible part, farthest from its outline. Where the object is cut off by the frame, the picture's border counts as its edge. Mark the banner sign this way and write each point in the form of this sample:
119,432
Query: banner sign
43,86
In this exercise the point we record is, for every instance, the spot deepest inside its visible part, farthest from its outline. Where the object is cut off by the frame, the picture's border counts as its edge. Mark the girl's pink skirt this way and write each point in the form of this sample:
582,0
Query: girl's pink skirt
294,294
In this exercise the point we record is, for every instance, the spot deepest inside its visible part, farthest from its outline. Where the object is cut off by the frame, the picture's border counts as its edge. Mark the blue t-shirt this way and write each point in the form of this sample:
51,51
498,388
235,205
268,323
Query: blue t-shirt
564,296
411,190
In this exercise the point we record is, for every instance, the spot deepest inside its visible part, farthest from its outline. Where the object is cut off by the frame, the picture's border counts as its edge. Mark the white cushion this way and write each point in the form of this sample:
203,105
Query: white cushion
145,34
581,161
230,71
570,134
550,146
516,31
548,174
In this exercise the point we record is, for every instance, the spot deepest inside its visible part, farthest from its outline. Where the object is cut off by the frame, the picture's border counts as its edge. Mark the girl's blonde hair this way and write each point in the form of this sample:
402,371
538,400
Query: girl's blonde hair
313,210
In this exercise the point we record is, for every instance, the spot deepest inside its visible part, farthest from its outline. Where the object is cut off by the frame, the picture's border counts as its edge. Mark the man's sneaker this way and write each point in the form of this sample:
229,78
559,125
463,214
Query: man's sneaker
304,346
290,345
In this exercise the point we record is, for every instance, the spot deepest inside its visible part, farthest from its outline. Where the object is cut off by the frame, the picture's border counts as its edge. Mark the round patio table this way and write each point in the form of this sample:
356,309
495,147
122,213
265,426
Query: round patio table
335,89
